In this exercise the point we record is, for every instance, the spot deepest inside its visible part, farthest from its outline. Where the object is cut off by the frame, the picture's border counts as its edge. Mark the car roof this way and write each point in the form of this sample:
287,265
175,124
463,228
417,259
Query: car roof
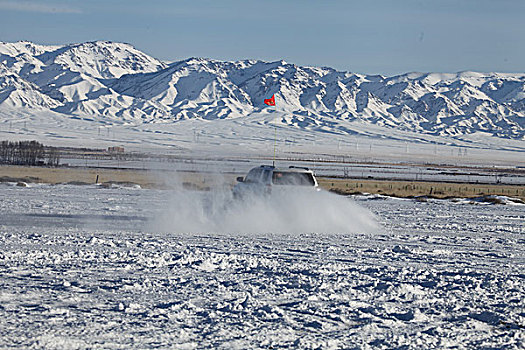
289,169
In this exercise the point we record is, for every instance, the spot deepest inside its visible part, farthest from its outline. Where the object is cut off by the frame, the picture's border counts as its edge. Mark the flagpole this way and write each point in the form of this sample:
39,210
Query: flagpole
274,144
271,102
275,132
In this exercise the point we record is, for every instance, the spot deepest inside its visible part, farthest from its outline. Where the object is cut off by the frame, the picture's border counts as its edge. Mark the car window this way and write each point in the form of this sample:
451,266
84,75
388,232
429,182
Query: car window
254,175
266,176
292,178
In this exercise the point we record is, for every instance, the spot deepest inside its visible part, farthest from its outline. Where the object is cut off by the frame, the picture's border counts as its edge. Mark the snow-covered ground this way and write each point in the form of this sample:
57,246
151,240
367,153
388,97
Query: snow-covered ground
91,267
258,135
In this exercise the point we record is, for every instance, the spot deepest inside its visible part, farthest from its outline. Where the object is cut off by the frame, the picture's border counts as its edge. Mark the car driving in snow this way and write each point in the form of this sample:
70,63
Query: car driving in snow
265,178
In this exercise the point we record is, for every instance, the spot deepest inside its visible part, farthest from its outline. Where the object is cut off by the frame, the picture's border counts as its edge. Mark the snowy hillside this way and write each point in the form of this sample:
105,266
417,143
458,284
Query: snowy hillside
115,83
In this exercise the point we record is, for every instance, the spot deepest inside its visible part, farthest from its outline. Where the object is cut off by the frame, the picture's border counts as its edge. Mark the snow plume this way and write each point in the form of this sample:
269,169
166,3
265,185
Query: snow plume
289,211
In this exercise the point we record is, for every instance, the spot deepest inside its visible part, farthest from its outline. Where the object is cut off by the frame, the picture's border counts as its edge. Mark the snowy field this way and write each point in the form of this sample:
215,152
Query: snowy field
258,134
119,268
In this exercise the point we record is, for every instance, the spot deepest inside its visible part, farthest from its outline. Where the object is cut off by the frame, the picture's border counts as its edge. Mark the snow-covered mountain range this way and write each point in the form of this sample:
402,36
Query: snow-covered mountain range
116,83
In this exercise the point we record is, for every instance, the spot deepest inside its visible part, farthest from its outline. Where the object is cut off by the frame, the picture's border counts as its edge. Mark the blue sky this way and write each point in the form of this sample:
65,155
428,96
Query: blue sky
374,37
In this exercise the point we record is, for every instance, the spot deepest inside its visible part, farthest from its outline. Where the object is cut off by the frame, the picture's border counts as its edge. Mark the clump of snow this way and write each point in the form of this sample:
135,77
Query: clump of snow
491,199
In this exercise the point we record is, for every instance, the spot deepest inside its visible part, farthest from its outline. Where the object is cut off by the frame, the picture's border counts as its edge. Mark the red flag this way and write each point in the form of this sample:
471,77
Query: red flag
270,101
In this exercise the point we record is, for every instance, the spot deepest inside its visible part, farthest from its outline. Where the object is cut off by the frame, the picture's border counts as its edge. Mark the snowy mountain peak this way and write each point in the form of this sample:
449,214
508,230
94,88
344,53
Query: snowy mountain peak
102,59
115,81
27,47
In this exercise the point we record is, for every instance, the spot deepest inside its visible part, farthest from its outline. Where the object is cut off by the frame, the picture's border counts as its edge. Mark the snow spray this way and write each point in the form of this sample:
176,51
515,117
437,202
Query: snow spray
284,211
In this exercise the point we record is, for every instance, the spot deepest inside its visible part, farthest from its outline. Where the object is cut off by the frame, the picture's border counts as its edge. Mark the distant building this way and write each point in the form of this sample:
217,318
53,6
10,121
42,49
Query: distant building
116,149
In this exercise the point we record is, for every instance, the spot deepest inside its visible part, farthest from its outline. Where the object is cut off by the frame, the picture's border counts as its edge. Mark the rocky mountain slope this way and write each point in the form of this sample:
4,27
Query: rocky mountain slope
116,83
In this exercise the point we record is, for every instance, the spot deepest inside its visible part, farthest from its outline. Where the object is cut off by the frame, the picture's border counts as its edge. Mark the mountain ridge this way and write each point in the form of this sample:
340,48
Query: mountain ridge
116,83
